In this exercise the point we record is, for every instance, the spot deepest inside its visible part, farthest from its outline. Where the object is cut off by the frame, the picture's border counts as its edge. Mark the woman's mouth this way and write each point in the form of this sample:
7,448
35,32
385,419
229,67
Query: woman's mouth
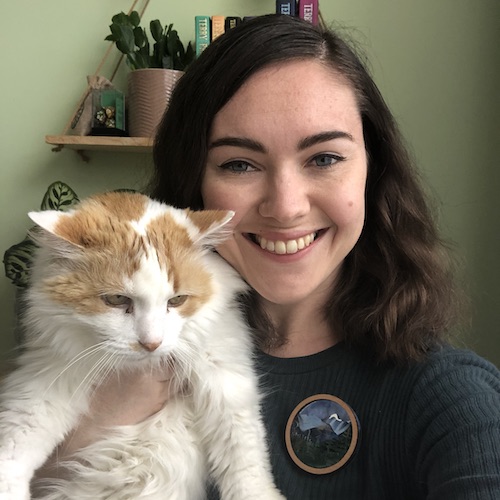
282,247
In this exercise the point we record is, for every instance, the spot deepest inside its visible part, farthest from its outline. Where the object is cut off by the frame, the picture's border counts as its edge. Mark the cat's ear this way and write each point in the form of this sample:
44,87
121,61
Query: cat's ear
47,219
50,222
212,225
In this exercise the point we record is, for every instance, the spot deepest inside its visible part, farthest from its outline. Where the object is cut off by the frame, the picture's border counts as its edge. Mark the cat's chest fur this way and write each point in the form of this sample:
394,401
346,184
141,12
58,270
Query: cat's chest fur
126,283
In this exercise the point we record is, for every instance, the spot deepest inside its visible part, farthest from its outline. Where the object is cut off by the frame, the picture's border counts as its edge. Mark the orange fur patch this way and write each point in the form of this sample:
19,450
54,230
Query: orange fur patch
205,218
177,255
112,251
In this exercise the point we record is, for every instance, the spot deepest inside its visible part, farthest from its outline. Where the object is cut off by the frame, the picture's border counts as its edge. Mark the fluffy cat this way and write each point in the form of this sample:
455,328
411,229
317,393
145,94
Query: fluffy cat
123,282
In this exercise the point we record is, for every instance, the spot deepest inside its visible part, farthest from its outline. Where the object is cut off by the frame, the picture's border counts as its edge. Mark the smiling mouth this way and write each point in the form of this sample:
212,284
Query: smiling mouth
282,247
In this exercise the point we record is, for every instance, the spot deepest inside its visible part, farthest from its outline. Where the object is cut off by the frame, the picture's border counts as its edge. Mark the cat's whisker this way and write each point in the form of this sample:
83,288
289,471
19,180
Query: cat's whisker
87,381
89,351
100,373
183,362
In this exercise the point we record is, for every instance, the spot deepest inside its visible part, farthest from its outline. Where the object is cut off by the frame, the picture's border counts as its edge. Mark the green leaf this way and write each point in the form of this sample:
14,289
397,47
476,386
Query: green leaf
172,43
134,18
159,50
140,37
167,62
169,54
156,29
189,56
125,35
120,18
17,262
143,59
59,196
132,61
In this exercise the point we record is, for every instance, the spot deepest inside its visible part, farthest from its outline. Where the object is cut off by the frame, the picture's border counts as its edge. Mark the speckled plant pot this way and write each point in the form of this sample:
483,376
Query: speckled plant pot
149,92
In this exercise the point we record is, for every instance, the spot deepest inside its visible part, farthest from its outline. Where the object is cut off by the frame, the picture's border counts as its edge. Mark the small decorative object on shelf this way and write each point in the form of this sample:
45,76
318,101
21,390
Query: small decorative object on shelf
108,113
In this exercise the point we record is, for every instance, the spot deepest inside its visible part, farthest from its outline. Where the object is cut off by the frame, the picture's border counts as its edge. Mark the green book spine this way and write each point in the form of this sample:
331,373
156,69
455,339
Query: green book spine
202,33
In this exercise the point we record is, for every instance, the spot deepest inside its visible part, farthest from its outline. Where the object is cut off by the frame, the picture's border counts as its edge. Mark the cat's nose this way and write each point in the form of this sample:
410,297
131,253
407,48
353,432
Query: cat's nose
150,346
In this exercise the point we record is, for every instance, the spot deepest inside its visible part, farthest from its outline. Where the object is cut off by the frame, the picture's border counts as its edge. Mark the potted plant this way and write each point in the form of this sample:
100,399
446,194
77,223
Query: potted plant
155,68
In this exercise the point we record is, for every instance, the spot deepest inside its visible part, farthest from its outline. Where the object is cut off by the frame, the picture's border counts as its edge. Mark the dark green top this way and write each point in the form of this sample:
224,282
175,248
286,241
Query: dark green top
428,431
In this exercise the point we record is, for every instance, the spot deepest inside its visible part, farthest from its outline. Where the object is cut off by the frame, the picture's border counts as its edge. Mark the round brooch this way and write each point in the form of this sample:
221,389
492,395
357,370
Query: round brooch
322,434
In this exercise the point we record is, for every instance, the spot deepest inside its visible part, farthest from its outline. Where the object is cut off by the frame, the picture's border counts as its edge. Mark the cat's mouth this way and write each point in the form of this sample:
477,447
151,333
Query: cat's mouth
282,247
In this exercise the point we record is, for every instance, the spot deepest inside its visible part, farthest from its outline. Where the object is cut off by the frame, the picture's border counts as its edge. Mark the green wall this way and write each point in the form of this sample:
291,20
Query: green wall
436,61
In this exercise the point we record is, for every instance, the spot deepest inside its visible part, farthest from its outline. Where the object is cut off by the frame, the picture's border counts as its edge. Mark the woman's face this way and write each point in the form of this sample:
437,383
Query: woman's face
287,154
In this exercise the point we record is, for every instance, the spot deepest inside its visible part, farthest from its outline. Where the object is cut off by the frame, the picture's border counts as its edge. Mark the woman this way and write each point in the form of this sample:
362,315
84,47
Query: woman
353,298
282,124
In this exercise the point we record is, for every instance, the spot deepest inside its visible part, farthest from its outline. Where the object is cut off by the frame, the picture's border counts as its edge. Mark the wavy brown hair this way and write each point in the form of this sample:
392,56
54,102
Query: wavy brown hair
395,295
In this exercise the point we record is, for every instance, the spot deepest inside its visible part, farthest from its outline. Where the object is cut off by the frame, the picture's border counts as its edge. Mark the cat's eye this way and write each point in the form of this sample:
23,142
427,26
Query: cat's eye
117,300
177,301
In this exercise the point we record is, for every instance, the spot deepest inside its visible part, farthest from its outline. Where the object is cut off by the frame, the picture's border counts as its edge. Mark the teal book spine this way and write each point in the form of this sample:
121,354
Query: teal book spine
202,33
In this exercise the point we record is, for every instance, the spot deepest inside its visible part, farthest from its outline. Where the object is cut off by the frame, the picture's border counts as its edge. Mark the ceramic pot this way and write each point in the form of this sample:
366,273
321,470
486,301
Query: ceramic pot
149,92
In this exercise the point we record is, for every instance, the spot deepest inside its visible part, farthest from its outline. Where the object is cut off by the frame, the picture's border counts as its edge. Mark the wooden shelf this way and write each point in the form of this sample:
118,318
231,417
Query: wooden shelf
89,143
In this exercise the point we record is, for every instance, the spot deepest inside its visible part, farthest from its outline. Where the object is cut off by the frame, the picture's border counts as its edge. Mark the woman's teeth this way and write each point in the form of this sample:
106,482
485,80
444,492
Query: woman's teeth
286,247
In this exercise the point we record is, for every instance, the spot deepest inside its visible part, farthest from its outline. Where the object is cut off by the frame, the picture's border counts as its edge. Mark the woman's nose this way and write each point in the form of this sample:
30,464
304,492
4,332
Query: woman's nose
285,198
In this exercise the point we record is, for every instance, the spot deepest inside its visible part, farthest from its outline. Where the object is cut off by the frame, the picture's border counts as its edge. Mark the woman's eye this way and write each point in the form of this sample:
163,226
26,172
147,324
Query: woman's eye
177,301
117,300
237,166
326,160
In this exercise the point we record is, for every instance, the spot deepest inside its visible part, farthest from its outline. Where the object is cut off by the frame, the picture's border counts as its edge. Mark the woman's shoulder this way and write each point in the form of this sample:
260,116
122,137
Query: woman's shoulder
458,370
452,380
452,423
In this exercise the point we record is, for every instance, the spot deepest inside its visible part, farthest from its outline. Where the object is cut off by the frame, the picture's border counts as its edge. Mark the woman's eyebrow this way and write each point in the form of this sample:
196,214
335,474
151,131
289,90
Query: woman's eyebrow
314,139
239,142
306,142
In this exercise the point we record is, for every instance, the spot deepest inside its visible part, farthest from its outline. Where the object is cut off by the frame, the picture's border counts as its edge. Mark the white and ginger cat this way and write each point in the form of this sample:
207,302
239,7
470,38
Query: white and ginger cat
123,282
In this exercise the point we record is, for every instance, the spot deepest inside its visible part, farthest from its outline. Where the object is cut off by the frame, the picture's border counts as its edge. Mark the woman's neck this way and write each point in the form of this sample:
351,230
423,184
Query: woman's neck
304,327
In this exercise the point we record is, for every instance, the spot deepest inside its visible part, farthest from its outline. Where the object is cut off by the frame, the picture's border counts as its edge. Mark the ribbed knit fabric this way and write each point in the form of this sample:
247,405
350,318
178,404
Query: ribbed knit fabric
429,431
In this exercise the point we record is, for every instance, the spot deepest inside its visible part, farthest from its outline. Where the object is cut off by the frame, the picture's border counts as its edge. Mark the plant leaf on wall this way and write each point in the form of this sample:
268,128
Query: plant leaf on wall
59,196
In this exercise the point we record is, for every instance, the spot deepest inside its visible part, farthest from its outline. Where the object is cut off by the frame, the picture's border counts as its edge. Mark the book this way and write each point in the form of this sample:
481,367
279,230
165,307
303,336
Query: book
218,26
286,7
309,10
232,22
202,33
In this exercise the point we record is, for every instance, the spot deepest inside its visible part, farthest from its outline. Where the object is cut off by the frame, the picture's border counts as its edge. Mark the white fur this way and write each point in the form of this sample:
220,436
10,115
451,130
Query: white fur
212,428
